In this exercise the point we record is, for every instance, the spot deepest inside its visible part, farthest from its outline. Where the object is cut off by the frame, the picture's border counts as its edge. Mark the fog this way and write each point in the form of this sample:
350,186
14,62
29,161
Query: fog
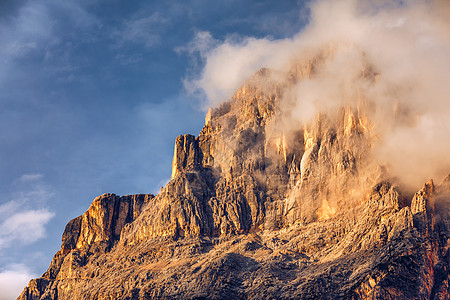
395,54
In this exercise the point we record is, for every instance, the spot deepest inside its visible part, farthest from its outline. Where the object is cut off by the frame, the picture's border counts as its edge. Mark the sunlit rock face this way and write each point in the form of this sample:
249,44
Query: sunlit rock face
262,205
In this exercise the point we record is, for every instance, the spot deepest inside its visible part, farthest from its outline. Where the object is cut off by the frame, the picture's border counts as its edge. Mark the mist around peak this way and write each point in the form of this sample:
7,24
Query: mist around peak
388,60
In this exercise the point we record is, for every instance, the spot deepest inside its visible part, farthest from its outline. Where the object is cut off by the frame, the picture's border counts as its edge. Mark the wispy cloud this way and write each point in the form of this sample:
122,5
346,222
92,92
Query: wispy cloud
23,220
202,43
146,31
24,216
129,59
30,177
24,227
27,33
31,41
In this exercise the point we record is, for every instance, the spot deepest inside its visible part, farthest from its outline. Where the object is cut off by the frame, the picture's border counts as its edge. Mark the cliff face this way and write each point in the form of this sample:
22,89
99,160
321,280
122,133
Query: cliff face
260,207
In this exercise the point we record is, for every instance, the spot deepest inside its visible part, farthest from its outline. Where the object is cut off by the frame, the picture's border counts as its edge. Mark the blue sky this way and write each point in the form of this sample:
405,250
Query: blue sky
92,97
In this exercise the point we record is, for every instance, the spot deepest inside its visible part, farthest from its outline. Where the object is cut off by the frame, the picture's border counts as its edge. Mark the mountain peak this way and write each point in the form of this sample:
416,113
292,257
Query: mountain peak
261,204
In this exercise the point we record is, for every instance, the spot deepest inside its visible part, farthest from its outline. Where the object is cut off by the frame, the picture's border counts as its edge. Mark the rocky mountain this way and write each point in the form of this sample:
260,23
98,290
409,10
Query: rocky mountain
262,206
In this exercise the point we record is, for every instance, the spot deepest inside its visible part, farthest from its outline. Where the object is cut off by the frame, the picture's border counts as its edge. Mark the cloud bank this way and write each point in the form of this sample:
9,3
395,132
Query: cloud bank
405,45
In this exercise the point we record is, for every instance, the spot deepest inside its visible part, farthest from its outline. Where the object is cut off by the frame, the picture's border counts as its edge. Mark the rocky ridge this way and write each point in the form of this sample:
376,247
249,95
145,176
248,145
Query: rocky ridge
260,208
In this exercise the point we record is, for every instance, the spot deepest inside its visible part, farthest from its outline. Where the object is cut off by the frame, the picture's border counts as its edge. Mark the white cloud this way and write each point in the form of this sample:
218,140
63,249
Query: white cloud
233,61
13,279
24,216
406,42
24,227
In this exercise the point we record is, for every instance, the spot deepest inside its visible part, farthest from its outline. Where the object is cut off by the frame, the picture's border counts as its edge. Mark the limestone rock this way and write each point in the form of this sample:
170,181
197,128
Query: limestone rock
96,231
422,206
257,209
